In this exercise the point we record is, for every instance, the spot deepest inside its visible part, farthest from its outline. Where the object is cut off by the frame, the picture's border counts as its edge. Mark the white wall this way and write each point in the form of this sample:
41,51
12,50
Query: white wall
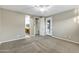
0,25
12,24
65,27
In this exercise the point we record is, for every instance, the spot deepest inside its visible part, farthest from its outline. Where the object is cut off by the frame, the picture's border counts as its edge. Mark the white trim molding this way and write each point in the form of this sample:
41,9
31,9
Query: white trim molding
66,40
12,40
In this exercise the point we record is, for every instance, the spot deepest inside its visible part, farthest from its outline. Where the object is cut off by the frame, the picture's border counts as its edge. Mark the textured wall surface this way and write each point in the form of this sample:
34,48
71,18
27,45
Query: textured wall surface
65,27
12,25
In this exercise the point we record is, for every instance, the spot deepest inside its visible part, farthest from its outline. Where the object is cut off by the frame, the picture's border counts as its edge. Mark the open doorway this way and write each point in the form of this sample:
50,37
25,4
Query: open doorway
49,26
27,25
37,26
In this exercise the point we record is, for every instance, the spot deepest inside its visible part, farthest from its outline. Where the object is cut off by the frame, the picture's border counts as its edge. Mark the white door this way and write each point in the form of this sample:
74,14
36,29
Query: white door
49,26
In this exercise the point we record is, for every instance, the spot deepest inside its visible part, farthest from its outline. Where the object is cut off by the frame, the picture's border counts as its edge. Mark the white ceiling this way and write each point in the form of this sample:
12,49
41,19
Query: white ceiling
29,9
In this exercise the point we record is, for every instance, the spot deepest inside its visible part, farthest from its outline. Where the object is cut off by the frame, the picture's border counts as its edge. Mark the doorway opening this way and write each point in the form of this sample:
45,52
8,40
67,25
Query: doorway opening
27,25
37,26
49,26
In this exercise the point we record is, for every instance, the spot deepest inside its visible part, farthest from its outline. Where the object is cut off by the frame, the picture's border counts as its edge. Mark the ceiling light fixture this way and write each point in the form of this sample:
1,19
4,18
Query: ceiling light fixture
42,8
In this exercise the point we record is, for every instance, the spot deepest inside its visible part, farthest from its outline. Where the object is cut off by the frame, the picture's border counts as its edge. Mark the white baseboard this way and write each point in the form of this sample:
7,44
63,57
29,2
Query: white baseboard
11,40
66,39
33,35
